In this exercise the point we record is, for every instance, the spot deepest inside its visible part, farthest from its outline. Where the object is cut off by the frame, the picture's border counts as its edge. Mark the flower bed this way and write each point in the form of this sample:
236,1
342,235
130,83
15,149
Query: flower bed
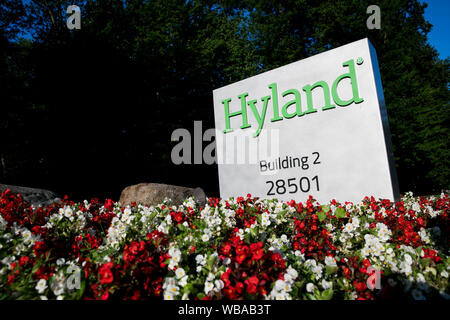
243,248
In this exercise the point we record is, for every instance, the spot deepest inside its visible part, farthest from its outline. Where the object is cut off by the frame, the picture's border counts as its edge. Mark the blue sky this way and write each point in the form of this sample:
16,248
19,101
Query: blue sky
438,14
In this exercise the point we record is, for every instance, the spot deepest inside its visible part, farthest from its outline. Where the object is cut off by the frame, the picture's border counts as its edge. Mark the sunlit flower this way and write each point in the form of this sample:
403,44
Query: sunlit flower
41,285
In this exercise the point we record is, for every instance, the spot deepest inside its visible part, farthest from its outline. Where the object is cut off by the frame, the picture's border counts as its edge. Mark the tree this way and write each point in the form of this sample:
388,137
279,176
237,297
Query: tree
415,80
90,111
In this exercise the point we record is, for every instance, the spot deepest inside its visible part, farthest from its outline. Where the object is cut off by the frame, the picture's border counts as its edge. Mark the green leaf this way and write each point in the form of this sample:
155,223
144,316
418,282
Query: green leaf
35,268
309,296
188,288
80,292
200,295
330,269
327,294
210,261
430,269
321,215
340,213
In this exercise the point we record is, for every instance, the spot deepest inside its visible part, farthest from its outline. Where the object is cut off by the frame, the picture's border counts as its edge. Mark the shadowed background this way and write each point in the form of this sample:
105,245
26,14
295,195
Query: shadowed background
88,112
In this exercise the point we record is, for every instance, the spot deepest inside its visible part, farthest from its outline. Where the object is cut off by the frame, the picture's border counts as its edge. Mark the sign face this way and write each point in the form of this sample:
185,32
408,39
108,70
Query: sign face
316,127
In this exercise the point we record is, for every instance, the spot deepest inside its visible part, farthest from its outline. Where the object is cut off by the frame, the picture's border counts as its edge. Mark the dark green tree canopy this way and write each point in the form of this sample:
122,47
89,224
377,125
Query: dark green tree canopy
89,111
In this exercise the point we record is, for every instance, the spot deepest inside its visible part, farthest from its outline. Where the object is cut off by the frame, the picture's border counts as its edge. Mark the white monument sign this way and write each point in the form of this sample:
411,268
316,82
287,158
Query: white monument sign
316,127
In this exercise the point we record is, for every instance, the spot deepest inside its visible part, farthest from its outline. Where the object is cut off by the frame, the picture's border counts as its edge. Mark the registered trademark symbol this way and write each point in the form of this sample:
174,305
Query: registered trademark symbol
360,61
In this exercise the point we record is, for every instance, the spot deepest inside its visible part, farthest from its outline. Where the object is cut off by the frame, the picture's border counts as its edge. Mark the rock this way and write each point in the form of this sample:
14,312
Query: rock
34,196
155,193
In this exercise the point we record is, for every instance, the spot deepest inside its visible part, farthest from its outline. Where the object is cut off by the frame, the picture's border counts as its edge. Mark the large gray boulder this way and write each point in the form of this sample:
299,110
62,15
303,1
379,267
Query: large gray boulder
155,193
34,196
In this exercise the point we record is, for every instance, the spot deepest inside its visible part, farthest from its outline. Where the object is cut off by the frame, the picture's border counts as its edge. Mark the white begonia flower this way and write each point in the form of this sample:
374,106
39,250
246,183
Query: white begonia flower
349,228
26,234
318,271
58,289
444,274
287,287
300,255
408,259
41,285
180,273
282,296
365,251
424,236
3,223
210,277
60,261
420,278
326,284
330,261
163,227
377,249
405,268
279,285
208,287
185,296
310,263
310,287
169,281
168,296
287,277
43,298
68,212
205,237
218,285
292,272
183,281
174,252
173,289
200,259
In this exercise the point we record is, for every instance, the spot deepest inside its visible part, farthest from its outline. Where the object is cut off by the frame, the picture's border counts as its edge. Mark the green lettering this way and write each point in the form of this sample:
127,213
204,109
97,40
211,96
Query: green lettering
259,118
276,114
296,100
326,94
243,112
